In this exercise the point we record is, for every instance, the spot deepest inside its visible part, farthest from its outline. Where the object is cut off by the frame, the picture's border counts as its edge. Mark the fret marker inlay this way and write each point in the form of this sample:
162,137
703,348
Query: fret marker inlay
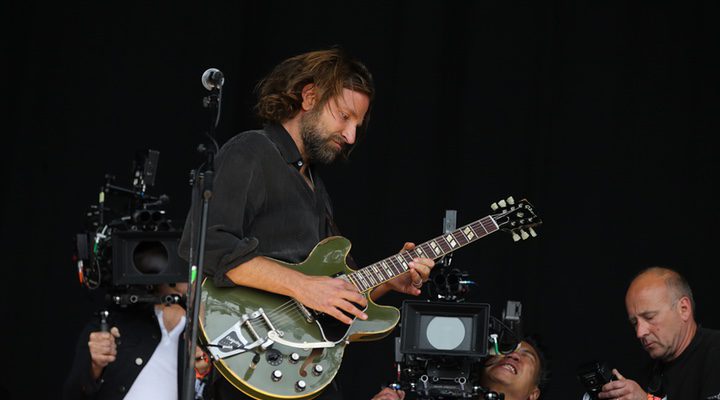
435,248
402,262
469,233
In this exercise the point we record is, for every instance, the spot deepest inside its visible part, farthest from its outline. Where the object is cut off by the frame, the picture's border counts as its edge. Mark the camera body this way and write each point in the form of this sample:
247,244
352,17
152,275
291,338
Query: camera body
440,348
129,244
443,345
593,375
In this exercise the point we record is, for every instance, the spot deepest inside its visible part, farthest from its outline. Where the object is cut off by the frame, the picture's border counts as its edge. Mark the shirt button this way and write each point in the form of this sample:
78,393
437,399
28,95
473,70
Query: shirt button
138,361
299,163
122,389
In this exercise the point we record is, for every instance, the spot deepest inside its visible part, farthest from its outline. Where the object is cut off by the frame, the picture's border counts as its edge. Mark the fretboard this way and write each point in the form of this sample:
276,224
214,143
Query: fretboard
382,271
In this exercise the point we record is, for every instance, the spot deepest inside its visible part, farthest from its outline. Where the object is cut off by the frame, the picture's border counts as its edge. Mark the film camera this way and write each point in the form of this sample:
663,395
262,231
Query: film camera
443,343
442,347
129,244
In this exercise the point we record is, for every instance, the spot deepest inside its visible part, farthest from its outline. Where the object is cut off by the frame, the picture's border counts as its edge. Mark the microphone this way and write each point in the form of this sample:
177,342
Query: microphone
213,79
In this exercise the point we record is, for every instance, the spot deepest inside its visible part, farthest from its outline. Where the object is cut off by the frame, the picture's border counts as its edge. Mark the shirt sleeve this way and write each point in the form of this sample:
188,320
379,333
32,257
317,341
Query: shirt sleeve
238,193
79,383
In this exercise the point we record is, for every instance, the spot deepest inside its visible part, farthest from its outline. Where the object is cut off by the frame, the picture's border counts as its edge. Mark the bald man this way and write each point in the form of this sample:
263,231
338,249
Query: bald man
686,357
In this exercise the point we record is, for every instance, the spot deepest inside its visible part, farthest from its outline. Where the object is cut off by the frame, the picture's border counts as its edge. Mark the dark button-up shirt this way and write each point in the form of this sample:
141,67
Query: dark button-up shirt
141,334
261,205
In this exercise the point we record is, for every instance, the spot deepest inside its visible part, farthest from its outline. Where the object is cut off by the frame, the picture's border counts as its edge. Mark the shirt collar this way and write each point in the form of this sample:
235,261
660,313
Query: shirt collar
285,143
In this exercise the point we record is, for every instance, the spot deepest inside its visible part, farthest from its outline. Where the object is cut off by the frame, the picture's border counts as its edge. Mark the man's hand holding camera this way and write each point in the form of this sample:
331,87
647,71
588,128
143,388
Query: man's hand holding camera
103,350
622,389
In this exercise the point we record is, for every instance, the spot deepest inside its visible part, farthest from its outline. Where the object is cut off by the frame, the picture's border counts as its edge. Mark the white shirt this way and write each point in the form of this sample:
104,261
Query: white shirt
159,379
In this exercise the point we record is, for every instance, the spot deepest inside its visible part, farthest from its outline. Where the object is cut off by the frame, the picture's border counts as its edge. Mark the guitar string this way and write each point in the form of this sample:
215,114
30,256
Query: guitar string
284,306
277,319
292,303
379,277
283,320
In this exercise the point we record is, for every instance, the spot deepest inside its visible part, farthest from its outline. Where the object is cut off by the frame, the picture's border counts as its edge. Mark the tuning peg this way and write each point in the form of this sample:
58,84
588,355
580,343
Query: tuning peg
532,232
494,206
510,200
502,203
515,237
524,234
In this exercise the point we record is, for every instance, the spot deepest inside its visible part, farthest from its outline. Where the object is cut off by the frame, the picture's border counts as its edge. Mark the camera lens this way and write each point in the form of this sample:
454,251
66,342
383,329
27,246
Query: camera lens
157,216
150,257
142,216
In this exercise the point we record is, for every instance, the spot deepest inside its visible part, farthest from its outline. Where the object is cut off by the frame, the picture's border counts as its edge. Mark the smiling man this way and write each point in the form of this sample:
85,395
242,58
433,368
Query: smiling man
518,375
661,308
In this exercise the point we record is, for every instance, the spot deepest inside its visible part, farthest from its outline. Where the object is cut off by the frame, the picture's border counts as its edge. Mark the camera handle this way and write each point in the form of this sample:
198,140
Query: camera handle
104,325
202,180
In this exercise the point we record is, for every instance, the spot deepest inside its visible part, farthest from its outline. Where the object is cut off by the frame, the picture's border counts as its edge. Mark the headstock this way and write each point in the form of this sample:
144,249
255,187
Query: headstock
517,218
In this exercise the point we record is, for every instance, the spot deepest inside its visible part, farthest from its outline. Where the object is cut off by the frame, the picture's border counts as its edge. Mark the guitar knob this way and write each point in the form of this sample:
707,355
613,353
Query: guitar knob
524,235
502,203
294,357
532,232
317,370
276,375
494,206
515,237
510,200
300,385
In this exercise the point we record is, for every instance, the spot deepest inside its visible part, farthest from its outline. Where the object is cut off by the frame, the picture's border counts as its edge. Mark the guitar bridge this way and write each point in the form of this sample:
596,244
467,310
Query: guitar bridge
234,341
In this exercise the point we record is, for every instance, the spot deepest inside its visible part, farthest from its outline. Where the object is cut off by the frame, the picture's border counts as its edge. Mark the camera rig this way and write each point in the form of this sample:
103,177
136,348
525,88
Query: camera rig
442,347
129,244
444,342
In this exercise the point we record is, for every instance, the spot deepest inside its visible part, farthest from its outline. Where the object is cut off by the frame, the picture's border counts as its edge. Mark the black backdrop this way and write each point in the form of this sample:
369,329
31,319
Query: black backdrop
602,114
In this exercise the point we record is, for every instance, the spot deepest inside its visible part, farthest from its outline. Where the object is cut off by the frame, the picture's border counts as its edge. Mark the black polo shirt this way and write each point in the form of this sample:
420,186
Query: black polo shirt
694,375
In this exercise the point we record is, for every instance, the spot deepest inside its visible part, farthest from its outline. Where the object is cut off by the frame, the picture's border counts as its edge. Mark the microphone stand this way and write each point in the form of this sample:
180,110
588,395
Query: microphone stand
202,184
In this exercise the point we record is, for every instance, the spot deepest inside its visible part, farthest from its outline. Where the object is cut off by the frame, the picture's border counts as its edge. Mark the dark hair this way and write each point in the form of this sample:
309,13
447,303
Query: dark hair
280,92
543,373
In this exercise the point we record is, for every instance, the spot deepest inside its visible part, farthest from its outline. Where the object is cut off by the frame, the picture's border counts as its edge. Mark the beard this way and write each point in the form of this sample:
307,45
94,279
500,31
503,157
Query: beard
318,142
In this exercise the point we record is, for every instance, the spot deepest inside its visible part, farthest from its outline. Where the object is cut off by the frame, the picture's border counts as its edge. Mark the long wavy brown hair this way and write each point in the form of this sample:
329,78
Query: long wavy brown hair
280,92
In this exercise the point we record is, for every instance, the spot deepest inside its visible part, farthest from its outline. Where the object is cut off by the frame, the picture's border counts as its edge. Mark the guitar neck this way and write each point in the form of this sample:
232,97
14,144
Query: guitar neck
382,271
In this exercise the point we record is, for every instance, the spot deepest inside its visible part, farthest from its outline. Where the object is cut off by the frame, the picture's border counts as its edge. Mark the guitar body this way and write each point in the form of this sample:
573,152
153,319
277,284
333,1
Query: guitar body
221,308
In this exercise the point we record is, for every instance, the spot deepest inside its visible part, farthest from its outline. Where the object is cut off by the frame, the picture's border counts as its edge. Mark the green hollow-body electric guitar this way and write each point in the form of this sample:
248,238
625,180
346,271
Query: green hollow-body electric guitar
270,346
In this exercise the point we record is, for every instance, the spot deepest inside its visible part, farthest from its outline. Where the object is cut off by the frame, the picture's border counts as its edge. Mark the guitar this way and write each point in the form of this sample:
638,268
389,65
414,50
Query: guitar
271,346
